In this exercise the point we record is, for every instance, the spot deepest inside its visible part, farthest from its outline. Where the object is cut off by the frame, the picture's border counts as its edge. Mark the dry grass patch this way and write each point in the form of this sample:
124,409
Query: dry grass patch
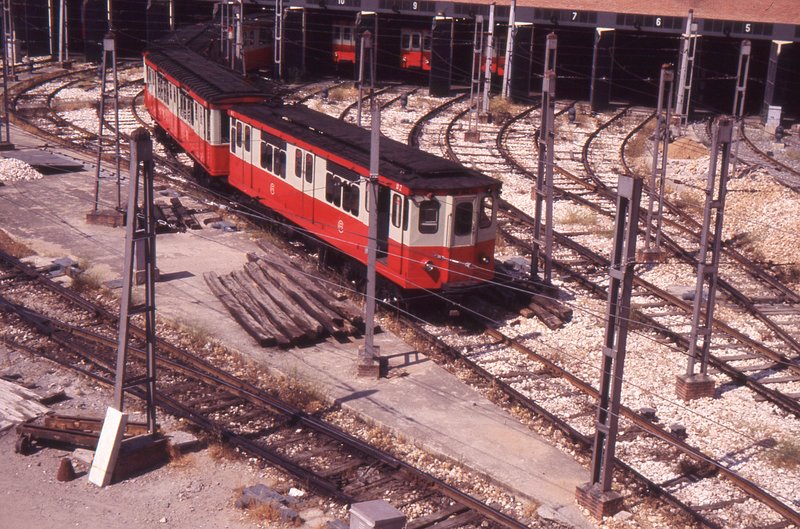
687,149
13,247
580,216
220,452
502,109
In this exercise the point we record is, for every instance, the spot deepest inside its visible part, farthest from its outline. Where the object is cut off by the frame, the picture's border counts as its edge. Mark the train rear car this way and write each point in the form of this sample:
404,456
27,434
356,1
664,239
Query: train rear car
188,96
436,219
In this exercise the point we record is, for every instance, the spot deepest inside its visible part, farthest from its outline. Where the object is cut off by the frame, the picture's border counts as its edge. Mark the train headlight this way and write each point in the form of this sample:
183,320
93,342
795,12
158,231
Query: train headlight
483,259
428,266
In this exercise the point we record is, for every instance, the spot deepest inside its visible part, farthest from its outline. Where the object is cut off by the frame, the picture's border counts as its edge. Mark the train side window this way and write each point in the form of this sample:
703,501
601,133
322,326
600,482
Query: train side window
426,43
486,212
347,34
406,43
238,134
309,167
247,138
397,210
405,214
429,216
462,224
280,164
415,41
329,187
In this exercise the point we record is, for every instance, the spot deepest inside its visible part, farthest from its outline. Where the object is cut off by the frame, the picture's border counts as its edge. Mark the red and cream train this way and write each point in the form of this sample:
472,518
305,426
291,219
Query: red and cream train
437,219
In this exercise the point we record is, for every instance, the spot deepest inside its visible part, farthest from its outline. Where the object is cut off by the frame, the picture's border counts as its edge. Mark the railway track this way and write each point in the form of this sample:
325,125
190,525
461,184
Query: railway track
785,173
314,451
598,263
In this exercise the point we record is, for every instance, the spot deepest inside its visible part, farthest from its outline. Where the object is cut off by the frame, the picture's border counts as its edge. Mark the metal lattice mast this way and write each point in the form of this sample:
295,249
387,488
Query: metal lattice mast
487,82
710,247
509,58
140,234
109,48
658,172
543,193
475,84
742,74
621,271
688,51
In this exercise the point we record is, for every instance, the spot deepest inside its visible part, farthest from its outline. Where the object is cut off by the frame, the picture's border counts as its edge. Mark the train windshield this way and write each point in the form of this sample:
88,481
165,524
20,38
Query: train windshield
486,213
462,223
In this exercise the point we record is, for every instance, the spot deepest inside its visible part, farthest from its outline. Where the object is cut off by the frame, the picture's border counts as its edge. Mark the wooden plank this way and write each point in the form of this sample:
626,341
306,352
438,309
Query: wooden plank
327,319
253,328
313,286
232,283
266,284
271,311
430,519
17,405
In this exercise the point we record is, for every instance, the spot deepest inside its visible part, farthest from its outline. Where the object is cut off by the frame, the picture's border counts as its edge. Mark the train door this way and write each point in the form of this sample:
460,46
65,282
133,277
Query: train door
307,185
463,232
247,157
383,222
398,225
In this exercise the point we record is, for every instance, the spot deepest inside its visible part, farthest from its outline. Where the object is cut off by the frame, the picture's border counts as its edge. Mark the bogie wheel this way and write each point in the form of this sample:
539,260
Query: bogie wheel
390,294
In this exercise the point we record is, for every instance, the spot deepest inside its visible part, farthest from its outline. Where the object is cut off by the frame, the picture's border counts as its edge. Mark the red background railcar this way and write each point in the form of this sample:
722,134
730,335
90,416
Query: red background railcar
415,49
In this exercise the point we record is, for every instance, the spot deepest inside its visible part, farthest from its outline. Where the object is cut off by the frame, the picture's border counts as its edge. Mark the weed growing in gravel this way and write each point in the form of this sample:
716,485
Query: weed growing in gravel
580,216
502,109
87,281
342,93
218,451
786,454
13,247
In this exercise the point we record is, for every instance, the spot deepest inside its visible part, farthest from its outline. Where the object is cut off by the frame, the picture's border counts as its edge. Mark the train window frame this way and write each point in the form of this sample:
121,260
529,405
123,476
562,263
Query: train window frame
486,212
347,35
238,134
427,224
247,138
397,210
426,42
309,167
463,218
416,41
405,41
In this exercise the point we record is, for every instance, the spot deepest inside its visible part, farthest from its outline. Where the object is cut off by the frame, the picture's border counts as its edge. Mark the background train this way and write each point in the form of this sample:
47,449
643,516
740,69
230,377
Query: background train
436,219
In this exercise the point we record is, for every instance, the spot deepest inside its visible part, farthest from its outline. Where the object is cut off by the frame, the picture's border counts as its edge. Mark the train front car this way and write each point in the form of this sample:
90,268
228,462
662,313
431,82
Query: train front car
415,49
188,97
436,219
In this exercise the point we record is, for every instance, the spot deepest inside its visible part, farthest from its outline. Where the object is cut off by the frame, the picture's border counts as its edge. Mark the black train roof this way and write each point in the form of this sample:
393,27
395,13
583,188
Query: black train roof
212,82
415,169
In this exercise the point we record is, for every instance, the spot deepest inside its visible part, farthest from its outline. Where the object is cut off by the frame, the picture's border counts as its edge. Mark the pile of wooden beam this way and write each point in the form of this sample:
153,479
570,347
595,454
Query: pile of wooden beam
280,305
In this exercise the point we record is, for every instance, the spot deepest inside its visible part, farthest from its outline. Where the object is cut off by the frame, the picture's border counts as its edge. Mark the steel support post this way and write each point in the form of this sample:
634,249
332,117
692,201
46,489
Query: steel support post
696,385
51,22
140,231
543,192
652,252
686,75
472,133
110,14
602,69
597,495
509,58
739,97
62,26
278,47
240,35
172,15
6,121
487,82
367,365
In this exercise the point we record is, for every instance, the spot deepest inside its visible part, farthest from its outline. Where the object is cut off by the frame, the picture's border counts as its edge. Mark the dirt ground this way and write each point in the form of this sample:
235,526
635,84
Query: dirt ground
195,491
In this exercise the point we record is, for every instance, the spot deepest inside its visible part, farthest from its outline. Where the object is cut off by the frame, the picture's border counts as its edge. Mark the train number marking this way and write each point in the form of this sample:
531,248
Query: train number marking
574,16
272,189
340,226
